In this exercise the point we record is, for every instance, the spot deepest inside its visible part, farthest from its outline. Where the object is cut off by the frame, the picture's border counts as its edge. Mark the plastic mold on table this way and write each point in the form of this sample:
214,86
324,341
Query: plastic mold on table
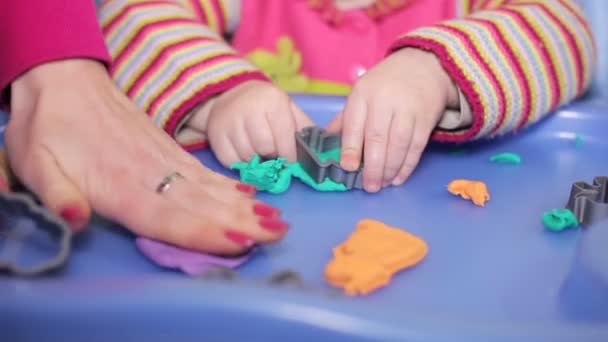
313,140
286,278
33,240
589,202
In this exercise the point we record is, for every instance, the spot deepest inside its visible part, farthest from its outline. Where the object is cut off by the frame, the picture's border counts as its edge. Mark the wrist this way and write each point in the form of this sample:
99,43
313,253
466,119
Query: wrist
200,115
63,74
431,63
58,73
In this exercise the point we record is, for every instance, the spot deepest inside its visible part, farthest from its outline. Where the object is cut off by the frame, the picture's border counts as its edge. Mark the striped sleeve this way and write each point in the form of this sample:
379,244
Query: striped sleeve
515,61
169,55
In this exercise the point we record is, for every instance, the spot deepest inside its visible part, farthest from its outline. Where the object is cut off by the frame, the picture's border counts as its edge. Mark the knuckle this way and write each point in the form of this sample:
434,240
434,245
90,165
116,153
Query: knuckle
376,136
352,133
399,142
374,172
272,93
264,148
391,169
360,87
417,146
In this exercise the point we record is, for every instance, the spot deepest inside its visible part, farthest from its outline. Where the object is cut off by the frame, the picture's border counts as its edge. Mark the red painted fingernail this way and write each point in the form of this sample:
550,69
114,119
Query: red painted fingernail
71,214
4,184
246,188
273,225
266,210
239,238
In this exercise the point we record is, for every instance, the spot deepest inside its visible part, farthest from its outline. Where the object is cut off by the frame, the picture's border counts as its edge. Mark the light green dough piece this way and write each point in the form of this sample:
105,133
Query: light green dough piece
507,157
327,185
578,141
329,155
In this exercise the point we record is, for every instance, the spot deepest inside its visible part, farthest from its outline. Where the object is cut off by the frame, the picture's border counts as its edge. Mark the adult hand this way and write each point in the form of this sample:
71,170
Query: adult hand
76,141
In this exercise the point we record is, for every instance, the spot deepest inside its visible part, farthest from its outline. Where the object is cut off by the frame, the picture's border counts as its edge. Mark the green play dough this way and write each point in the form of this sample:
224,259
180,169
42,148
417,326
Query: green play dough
559,219
507,158
326,185
329,155
275,175
578,141
271,175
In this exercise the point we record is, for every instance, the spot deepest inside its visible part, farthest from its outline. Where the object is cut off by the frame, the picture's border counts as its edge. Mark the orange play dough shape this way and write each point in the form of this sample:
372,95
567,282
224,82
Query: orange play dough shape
469,189
371,255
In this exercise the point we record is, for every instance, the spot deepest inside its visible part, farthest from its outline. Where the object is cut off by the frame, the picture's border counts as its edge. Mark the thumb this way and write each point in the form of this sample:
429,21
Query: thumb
56,191
335,125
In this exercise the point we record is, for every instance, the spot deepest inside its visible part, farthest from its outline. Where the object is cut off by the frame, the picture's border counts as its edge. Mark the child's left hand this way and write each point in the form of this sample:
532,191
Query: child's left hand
390,115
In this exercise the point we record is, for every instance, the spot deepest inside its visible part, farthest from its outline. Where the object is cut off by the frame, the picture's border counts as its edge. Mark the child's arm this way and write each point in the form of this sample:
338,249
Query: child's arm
169,56
515,61
505,63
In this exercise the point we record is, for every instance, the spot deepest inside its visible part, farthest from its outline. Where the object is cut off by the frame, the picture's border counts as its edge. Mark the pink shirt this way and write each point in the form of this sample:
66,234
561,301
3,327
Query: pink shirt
355,45
33,32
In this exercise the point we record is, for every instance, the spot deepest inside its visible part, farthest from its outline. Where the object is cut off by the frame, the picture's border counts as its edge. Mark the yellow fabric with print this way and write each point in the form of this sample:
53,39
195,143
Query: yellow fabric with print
283,68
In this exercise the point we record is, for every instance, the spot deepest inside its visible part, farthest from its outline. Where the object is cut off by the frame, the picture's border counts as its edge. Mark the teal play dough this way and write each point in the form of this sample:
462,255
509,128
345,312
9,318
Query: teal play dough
329,155
507,157
270,175
559,219
326,185
275,175
578,141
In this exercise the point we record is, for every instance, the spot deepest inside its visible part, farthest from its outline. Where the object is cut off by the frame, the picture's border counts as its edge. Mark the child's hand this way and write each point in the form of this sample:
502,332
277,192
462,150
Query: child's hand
390,114
253,117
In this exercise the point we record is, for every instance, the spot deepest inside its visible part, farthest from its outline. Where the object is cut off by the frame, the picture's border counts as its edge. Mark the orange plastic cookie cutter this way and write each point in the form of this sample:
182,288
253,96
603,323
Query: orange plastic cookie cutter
476,191
371,255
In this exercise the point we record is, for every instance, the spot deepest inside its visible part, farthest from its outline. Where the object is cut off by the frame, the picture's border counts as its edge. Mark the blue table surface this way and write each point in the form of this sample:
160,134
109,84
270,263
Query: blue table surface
491,274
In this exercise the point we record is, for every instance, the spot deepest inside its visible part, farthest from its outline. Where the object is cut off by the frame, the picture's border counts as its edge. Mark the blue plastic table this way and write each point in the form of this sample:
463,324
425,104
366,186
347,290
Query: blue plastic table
492,273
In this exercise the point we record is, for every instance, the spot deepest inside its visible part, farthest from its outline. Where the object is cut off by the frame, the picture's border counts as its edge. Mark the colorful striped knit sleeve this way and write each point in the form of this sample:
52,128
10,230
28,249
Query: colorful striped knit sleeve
515,61
169,55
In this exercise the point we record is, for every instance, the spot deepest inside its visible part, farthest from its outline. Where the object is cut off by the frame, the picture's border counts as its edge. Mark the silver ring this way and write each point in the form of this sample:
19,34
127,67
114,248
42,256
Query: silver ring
165,184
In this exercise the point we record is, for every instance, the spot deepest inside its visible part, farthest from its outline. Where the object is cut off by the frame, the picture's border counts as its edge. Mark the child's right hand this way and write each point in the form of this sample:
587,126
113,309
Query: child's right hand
253,117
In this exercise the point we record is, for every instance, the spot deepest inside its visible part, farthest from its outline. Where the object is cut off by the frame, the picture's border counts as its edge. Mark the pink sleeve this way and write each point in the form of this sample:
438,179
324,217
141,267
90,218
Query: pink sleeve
33,32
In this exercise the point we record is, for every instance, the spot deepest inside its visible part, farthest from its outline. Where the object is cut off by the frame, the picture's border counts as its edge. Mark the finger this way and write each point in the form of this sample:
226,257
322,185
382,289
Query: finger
283,129
335,125
45,178
224,151
261,136
220,186
241,143
302,120
187,218
353,128
400,136
376,144
166,221
190,195
420,138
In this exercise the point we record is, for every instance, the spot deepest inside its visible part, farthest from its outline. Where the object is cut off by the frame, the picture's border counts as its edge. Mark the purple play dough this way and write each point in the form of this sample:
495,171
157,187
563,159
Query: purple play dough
190,262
